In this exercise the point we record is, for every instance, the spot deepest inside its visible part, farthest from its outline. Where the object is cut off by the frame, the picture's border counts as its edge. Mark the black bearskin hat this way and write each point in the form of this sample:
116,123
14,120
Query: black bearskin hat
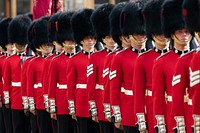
115,22
4,32
63,26
192,17
52,27
81,24
151,14
31,36
18,30
100,21
40,29
172,16
131,19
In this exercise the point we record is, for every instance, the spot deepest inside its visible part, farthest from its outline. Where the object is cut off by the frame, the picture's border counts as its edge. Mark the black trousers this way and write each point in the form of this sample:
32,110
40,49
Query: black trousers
7,119
54,125
130,129
87,125
34,124
2,123
117,130
66,124
21,122
106,127
44,121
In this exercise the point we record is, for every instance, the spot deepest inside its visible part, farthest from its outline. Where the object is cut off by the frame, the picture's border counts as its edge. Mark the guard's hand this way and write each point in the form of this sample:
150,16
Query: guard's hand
119,125
47,109
145,131
53,116
95,118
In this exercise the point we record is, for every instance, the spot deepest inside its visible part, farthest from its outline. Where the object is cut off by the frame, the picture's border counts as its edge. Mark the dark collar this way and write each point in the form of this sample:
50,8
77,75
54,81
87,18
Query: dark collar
161,51
21,54
179,51
87,53
58,53
108,50
68,54
138,51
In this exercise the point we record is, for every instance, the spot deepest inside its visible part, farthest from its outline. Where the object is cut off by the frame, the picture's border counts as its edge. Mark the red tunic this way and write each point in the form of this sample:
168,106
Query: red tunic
121,82
143,85
12,80
58,83
45,74
95,81
77,83
181,106
34,81
163,71
195,85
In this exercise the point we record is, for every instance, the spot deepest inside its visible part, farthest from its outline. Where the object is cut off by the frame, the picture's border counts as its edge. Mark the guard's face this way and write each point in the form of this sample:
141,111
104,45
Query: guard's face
47,48
140,38
69,44
161,39
10,47
20,48
108,40
89,41
58,46
183,35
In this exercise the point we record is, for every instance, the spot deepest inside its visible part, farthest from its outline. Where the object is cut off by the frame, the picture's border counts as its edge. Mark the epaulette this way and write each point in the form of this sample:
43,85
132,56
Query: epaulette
140,54
187,53
120,51
162,55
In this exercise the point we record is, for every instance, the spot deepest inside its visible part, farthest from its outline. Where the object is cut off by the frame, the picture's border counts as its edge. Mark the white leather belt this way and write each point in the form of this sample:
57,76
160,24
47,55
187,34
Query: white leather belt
148,93
37,85
16,84
81,86
127,92
99,87
169,98
61,86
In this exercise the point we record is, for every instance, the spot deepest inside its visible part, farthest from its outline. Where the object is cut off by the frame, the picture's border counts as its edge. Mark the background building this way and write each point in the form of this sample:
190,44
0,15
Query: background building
11,8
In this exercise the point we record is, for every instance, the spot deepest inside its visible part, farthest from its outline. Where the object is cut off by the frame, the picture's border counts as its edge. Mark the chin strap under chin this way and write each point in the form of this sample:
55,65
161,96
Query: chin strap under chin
136,41
180,41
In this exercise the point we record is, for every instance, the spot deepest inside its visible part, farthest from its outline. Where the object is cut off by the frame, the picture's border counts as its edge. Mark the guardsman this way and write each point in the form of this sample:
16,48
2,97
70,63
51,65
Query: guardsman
18,36
95,66
173,26
143,67
57,91
58,48
33,118
35,68
114,21
77,72
192,20
122,67
181,91
7,49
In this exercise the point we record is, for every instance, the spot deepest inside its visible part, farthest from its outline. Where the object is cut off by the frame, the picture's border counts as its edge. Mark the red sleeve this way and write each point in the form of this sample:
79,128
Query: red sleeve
24,78
179,85
45,76
195,68
158,88
139,80
7,76
116,74
53,78
106,80
71,79
91,78
30,79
